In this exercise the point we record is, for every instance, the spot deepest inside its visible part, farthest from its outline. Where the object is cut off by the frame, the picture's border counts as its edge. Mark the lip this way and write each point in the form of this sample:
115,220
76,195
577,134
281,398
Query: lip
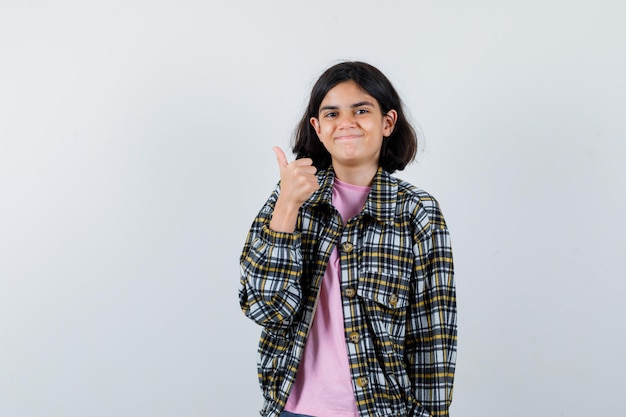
347,137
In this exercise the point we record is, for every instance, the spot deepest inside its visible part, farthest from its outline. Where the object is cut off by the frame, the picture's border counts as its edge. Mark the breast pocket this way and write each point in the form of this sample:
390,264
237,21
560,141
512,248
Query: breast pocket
388,290
385,298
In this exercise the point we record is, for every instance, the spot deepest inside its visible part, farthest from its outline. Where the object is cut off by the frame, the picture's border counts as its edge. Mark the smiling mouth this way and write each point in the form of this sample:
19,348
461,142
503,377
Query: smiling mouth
347,137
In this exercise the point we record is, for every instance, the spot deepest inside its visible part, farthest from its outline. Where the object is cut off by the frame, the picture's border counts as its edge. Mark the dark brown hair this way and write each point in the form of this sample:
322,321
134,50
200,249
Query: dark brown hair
398,149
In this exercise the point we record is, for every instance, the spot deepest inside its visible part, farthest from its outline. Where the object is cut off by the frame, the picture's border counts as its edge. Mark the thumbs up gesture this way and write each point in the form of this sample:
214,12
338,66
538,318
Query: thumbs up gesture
297,183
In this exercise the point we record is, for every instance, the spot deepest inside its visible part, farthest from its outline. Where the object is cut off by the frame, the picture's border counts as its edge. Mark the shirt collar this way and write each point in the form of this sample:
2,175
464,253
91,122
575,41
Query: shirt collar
380,203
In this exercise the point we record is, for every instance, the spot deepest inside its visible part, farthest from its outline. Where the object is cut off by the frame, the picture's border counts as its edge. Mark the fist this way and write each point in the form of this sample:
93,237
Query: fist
297,179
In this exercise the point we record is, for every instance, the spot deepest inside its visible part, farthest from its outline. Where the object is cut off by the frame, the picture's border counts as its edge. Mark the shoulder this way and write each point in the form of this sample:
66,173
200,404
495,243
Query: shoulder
421,205
410,192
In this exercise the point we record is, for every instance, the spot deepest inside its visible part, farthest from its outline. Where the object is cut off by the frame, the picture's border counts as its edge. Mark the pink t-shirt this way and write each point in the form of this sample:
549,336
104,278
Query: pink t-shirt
323,384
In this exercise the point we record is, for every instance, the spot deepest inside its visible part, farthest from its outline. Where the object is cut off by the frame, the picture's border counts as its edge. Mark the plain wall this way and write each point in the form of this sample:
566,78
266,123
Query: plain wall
135,150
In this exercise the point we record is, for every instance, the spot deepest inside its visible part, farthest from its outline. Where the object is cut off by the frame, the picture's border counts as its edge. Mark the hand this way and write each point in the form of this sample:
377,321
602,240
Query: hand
297,183
297,179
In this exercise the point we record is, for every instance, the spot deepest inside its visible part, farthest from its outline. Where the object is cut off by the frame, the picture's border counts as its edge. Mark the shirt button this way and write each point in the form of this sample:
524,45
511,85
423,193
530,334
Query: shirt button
347,247
393,299
362,381
354,337
349,292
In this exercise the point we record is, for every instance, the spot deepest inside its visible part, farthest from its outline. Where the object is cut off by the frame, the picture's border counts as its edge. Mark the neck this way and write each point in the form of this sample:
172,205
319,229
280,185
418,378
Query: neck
361,176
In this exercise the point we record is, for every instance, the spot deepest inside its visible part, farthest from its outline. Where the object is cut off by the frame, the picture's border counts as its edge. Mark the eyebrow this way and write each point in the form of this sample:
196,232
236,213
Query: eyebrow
355,105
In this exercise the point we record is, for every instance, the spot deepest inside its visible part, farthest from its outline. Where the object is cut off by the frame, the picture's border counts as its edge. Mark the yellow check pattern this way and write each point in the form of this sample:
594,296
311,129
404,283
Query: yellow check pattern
399,298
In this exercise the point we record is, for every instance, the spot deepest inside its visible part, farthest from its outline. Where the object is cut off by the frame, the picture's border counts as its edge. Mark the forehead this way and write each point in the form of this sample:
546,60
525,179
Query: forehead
347,92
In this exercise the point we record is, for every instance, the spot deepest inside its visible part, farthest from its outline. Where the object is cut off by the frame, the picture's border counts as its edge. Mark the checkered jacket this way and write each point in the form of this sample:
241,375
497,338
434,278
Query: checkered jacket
399,302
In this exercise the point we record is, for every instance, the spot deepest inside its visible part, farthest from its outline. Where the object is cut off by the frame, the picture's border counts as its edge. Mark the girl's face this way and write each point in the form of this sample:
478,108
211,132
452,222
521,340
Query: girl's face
351,126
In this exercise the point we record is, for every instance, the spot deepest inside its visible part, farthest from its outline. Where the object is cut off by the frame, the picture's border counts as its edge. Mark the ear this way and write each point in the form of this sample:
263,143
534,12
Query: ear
389,122
316,125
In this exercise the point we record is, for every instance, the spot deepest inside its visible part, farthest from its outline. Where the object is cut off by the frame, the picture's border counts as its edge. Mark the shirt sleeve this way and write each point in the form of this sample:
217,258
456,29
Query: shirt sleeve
270,292
432,323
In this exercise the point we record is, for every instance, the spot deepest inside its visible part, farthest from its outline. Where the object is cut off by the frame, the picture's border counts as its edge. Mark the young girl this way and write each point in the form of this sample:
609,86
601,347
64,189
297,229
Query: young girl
348,269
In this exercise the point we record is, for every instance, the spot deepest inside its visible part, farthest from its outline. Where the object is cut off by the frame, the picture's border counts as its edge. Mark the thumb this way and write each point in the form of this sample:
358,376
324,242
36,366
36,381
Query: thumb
280,157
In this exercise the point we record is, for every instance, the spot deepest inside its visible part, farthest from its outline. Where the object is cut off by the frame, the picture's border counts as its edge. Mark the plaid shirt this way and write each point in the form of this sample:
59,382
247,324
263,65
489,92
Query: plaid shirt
399,303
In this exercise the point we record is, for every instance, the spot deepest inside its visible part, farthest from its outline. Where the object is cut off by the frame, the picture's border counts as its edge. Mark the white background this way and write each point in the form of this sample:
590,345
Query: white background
135,150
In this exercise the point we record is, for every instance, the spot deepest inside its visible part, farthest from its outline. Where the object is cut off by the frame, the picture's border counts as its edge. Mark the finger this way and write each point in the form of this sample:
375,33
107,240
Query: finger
280,157
303,162
306,170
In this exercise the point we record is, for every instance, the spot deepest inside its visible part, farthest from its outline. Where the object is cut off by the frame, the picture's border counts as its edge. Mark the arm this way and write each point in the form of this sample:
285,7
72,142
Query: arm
271,262
270,265
432,326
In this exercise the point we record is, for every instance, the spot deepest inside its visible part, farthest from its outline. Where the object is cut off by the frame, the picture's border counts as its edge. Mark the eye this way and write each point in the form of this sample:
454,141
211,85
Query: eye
330,115
361,111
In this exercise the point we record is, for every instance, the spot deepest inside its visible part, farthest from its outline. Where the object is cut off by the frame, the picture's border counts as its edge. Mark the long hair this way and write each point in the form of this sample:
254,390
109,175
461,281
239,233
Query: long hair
398,149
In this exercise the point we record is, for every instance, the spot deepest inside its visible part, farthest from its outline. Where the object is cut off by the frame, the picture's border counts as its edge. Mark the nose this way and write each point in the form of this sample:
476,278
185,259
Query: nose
346,119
